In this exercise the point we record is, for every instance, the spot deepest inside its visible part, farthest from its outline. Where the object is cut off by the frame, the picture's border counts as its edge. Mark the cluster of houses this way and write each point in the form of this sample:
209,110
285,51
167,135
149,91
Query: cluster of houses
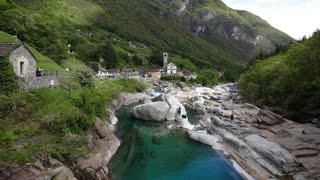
155,73
24,66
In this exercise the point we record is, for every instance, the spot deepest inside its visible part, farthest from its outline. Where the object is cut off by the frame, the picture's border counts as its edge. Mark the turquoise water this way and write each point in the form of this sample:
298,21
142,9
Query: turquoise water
151,152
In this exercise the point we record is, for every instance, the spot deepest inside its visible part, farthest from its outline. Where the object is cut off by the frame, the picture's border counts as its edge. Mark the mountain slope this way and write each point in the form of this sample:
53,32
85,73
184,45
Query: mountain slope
138,27
239,32
290,80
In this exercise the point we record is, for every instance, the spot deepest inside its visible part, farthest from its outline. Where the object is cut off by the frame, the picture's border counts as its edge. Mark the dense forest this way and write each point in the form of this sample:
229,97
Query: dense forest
289,80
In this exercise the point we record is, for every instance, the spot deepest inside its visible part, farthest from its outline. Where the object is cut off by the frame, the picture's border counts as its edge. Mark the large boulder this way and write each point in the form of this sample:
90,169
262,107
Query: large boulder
156,111
167,107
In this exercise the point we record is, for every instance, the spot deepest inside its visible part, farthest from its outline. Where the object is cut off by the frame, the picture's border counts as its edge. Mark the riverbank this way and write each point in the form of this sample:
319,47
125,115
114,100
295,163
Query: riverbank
262,143
50,133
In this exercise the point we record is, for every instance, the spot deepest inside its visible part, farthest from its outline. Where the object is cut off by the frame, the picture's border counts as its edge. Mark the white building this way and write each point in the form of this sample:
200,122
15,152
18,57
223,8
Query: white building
171,69
102,72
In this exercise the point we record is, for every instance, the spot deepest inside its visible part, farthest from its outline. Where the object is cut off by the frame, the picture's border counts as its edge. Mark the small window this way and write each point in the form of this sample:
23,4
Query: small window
21,68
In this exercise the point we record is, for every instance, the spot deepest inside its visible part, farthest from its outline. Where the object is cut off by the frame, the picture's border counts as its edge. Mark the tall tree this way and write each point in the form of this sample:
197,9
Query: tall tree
156,58
136,60
8,79
110,56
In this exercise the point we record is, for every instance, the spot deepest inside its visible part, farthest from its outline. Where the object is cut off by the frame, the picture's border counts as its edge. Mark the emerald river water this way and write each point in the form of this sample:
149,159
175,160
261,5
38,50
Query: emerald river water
150,151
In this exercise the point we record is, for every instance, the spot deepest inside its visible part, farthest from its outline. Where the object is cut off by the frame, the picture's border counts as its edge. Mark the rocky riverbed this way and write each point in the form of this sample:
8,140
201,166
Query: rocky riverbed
262,145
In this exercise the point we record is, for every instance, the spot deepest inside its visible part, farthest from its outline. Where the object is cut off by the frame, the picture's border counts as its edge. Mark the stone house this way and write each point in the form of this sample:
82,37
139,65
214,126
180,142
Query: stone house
188,74
23,62
102,72
24,66
114,72
126,72
107,73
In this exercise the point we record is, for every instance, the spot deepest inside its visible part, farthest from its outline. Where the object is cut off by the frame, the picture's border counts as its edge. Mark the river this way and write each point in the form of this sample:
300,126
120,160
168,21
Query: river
151,151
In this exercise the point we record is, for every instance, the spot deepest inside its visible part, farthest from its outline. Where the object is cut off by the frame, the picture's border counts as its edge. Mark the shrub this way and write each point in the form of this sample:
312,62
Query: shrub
208,77
172,77
8,79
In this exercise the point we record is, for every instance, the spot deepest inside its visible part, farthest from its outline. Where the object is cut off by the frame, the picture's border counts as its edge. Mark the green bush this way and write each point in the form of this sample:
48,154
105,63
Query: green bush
70,120
171,77
6,136
208,77
8,79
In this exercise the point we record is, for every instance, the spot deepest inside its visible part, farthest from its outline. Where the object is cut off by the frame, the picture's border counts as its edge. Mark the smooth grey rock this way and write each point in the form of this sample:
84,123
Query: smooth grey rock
181,85
147,100
156,111
102,128
208,139
274,153
64,174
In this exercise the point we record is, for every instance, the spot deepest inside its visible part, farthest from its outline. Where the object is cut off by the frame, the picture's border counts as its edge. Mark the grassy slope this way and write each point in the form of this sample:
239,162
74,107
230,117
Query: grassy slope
6,38
44,62
290,80
54,121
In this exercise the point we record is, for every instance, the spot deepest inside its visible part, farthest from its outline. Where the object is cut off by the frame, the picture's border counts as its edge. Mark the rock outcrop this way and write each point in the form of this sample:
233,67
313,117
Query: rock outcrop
263,144
45,168
166,108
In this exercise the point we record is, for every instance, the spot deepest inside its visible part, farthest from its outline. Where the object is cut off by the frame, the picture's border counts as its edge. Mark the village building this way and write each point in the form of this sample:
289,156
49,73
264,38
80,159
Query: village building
102,72
107,73
170,68
113,73
24,66
188,74
127,72
153,73
23,62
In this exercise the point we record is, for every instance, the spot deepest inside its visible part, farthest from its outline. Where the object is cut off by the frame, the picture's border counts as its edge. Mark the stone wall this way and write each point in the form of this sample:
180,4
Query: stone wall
22,55
30,83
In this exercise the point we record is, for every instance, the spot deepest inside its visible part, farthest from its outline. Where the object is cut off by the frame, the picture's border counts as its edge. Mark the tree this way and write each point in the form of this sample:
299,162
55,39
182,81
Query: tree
156,58
208,77
110,56
8,79
85,77
136,60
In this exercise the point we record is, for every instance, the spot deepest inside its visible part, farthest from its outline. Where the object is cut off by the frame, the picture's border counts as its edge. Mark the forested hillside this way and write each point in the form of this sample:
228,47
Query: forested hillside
113,32
289,80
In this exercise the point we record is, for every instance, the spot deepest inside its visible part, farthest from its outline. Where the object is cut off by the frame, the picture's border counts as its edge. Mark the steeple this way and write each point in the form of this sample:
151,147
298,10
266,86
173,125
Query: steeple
165,61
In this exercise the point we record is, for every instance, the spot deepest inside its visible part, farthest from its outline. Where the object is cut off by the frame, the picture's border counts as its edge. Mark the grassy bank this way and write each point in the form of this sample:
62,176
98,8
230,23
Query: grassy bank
54,121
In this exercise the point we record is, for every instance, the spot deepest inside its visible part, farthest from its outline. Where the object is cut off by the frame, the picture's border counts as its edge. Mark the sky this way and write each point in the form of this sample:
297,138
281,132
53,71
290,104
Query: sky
294,17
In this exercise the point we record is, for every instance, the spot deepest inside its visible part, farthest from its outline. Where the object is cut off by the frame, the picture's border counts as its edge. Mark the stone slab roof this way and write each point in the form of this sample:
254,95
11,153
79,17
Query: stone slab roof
103,69
7,48
113,70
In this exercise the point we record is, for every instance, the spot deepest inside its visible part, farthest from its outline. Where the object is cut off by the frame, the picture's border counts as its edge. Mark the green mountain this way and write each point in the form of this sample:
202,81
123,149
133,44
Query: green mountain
289,80
204,33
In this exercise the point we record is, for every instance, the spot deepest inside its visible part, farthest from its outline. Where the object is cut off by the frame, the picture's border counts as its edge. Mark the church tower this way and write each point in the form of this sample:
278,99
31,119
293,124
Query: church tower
165,61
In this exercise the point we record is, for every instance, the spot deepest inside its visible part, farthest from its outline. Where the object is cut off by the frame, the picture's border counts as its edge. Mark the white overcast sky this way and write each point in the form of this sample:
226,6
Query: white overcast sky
294,17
